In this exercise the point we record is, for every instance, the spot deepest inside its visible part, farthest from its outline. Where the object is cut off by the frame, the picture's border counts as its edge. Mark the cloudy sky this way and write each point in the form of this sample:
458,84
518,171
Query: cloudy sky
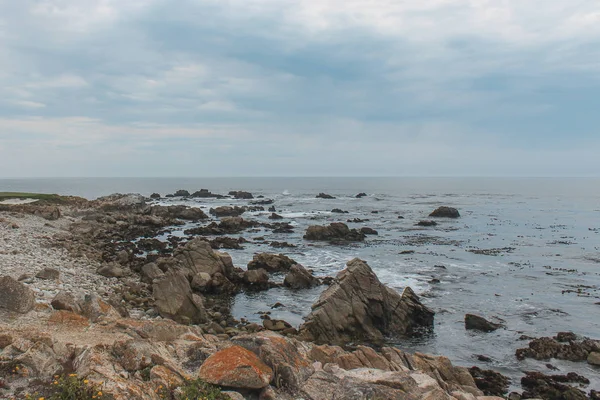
299,87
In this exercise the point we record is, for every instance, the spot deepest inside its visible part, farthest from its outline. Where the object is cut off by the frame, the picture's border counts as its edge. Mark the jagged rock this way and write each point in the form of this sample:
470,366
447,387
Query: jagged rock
198,256
201,281
538,385
358,307
175,300
324,196
445,212
205,193
150,272
271,262
272,209
50,274
475,322
257,278
65,301
15,296
181,193
155,196
180,212
358,196
236,367
339,211
546,348
280,245
227,211
299,278
336,231
95,309
111,270
275,216
240,194
491,383
368,231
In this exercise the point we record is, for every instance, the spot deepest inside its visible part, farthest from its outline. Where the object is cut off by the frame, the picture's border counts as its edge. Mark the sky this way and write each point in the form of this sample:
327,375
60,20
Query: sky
299,88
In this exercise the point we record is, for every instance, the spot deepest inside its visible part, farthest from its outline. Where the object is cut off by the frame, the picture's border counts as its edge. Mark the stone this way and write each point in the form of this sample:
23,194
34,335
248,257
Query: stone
271,262
65,301
233,395
426,223
174,299
491,383
240,194
257,278
111,270
546,348
96,309
475,322
181,193
236,367
50,274
227,211
358,307
49,213
538,385
299,278
150,272
155,196
594,358
368,231
201,281
362,194
275,216
324,196
198,256
336,231
445,212
276,324
16,296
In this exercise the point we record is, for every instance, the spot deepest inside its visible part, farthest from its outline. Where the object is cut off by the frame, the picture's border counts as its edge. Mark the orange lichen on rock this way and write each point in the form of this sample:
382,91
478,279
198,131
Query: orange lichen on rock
236,367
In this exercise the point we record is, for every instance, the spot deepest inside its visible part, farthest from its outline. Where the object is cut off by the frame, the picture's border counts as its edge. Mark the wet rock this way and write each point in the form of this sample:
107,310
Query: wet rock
400,217
358,307
275,216
483,358
227,211
445,212
271,262
358,196
111,270
299,278
475,322
336,231
206,194
240,194
280,245
50,274
538,385
174,299
236,367
594,358
357,220
277,305
179,212
275,324
155,196
65,301
426,223
226,243
324,196
339,211
490,382
546,348
368,231
565,337
272,209
257,278
15,296
181,193
264,202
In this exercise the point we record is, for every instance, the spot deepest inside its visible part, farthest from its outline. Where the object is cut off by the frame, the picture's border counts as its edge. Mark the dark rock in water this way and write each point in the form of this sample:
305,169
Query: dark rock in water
374,212
299,278
426,223
257,278
440,266
475,322
275,216
407,252
282,228
336,231
324,196
228,225
551,367
358,196
271,262
445,212
546,348
155,196
434,281
358,307
368,231
169,196
240,194
277,305
565,337
483,358
272,209
50,274
227,211
181,193
206,194
339,211
265,202
226,243
400,217
358,220
491,383
538,385
180,212
281,245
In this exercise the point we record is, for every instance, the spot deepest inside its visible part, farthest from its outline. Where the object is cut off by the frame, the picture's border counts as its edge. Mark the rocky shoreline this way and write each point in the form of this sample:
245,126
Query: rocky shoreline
89,290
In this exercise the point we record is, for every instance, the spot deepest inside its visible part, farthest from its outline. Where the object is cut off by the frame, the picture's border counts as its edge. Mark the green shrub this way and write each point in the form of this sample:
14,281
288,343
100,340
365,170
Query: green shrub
71,387
200,390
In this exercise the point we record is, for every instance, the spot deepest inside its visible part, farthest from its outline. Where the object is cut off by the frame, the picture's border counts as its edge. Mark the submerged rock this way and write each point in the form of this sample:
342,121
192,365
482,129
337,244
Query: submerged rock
358,307
445,212
336,231
426,223
15,296
181,193
362,194
368,231
275,216
475,322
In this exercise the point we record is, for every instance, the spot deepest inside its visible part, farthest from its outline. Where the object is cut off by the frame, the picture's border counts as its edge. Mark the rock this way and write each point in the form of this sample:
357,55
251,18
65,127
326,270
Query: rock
276,324
475,322
198,256
15,296
336,231
233,395
426,223
358,196
565,337
299,278
150,272
175,300
257,278
201,281
95,309
65,301
111,270
445,212
324,196
490,382
181,193
236,367
179,212
50,274
271,262
546,348
339,211
280,245
358,307
275,216
227,211
123,257
538,385
594,358
368,231
49,213
241,195
272,209
5,340
155,196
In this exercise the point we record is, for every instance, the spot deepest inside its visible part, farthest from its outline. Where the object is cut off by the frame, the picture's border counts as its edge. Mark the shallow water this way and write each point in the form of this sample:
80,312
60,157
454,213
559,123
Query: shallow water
545,280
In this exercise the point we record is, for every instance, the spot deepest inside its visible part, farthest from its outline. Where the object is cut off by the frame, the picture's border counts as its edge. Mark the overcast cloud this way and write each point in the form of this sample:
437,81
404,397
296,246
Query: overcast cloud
291,87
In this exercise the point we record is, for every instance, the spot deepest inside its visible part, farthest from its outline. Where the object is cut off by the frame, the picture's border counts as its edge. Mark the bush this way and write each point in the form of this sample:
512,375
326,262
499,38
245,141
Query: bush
71,387
200,390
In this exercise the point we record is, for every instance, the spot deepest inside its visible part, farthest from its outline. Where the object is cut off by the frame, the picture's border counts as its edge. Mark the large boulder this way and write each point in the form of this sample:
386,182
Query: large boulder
236,367
477,323
299,278
175,300
15,296
445,212
358,307
545,348
336,231
240,194
227,211
198,256
257,278
271,262
181,212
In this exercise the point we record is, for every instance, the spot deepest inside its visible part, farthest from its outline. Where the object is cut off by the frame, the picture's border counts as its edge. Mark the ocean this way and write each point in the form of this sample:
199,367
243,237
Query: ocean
525,250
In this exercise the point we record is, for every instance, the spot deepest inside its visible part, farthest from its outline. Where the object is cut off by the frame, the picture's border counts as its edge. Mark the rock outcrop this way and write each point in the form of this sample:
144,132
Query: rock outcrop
240,194
15,296
271,262
227,211
562,347
175,300
477,323
325,196
336,231
299,278
445,212
358,307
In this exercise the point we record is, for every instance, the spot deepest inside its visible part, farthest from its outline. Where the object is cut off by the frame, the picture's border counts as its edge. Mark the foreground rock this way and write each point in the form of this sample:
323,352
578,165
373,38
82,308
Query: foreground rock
15,296
299,278
336,231
271,262
445,212
358,307
175,299
477,323
236,367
